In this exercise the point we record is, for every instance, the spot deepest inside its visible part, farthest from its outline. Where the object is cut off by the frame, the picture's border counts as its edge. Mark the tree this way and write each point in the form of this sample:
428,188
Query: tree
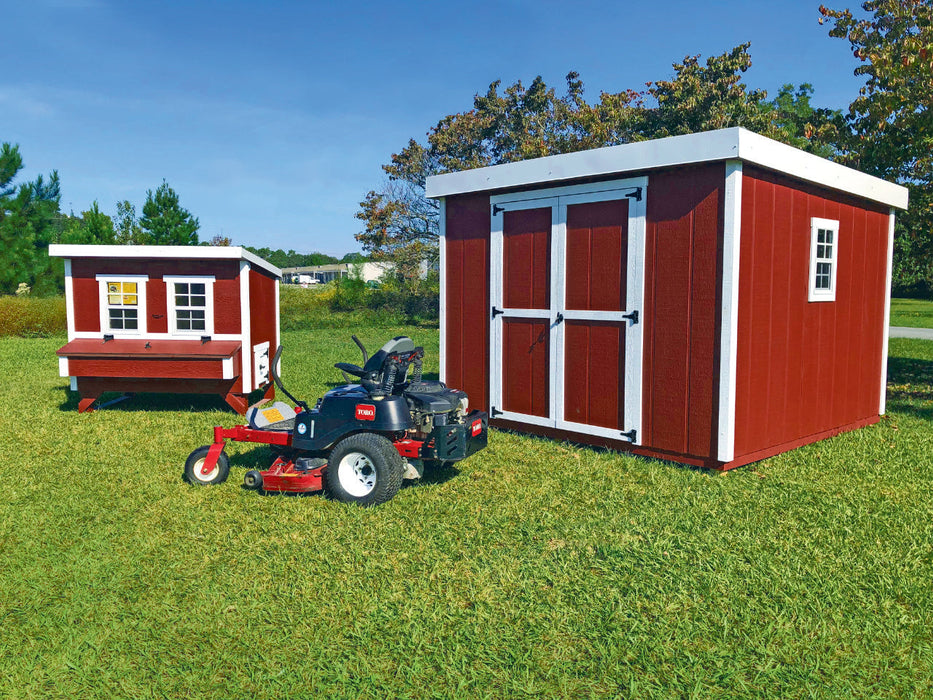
892,118
126,227
93,227
165,221
29,214
400,224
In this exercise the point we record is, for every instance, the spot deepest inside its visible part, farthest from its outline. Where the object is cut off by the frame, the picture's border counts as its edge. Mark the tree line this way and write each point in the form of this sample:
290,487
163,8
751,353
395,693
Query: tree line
887,130
31,219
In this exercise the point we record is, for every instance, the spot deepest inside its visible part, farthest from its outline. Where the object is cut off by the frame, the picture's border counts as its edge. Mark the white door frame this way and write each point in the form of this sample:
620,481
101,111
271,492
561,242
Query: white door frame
558,199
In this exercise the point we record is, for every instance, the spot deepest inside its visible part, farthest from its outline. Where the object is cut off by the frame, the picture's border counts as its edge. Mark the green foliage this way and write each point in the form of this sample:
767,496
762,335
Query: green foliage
400,224
29,222
281,258
165,221
351,302
126,226
31,317
533,569
94,227
891,119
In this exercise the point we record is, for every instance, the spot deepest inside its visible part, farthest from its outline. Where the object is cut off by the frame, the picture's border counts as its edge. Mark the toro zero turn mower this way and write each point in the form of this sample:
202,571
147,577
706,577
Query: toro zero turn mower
361,439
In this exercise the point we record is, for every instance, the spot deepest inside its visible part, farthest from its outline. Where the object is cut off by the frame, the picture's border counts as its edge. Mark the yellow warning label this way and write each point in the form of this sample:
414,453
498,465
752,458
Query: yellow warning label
273,415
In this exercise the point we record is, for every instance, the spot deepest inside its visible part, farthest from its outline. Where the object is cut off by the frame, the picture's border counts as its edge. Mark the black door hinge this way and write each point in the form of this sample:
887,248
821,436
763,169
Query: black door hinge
496,312
635,194
108,337
559,320
493,412
631,434
496,209
633,317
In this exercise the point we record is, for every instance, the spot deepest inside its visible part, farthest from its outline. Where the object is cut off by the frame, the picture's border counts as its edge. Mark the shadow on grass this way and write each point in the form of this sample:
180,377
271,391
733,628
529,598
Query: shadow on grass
910,386
157,403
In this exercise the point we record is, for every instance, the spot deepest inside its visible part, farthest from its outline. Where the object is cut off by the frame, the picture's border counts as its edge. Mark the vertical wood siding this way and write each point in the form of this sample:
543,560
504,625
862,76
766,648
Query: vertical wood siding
226,290
682,302
526,253
594,359
467,288
597,250
805,367
262,320
525,360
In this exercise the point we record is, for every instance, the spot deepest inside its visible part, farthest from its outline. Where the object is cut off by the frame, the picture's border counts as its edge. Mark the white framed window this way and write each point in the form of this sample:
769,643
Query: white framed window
122,304
824,259
190,305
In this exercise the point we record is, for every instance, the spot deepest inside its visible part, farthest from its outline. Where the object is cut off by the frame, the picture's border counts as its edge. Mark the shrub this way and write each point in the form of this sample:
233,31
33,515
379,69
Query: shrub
31,317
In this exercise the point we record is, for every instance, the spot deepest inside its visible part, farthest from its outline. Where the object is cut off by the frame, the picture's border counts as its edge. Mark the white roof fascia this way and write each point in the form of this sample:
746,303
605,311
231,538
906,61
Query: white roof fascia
734,143
190,252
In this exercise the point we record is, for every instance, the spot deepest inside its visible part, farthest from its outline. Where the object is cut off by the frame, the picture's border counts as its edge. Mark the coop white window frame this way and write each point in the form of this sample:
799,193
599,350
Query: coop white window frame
208,281
104,303
816,224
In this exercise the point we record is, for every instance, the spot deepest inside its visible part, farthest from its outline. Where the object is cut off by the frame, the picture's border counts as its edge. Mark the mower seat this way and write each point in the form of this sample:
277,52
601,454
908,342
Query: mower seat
278,416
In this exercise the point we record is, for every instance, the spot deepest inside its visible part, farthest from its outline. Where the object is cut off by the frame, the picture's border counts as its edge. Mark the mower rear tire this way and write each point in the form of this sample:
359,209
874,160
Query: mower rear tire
364,468
195,461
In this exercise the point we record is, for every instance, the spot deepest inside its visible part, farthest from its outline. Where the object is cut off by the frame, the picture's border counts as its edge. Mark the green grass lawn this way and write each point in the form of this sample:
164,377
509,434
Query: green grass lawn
533,569
915,313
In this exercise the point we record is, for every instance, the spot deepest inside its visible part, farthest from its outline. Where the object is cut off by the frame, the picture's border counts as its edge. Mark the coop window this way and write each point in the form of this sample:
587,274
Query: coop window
824,259
122,304
191,305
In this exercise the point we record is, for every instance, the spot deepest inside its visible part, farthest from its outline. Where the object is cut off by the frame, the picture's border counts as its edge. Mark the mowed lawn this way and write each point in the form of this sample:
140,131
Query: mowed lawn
534,569
914,313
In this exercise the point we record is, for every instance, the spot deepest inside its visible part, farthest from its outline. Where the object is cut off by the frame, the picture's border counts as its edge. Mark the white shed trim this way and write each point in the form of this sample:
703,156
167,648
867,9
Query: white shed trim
734,143
729,332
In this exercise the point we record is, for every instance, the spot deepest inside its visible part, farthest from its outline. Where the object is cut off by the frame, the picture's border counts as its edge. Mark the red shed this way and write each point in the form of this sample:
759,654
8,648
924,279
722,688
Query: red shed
712,299
180,319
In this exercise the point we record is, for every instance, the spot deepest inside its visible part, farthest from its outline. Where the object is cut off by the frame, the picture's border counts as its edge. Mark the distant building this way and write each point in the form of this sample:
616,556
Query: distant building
321,274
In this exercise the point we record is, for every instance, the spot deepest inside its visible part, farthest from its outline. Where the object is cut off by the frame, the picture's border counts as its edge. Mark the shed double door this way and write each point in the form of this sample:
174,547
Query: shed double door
566,291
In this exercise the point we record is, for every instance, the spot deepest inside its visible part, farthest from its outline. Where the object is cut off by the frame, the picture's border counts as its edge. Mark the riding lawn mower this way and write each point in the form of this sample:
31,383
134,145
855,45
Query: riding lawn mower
361,439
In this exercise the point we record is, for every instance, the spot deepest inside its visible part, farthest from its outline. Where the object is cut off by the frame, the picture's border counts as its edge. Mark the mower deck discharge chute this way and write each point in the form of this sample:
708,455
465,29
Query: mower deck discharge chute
361,439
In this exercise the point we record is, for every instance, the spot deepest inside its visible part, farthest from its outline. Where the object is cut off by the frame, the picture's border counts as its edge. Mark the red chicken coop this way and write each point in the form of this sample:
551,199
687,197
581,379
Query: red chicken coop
176,319
711,299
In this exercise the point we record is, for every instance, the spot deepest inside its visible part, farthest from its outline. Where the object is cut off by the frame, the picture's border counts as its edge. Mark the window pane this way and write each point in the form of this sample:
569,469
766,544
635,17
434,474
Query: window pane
184,325
113,287
181,288
821,236
129,288
184,314
197,325
197,288
130,299
829,236
198,301
130,324
181,301
821,251
114,299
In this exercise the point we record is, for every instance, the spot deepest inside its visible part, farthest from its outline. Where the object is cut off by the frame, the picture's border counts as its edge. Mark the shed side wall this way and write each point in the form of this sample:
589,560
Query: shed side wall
682,302
467,288
262,325
804,368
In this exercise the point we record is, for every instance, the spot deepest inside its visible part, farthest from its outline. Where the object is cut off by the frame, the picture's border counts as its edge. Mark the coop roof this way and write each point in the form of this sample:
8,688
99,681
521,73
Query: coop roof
180,252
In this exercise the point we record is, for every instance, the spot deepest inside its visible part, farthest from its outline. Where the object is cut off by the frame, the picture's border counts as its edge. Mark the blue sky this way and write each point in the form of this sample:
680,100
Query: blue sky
271,120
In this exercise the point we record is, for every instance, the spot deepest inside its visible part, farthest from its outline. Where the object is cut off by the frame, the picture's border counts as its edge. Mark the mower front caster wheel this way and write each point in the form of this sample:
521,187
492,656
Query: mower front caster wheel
365,469
195,462
252,480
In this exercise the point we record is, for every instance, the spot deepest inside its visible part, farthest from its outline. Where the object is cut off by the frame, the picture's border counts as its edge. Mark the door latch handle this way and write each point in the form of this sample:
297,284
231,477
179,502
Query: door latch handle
496,312
559,320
